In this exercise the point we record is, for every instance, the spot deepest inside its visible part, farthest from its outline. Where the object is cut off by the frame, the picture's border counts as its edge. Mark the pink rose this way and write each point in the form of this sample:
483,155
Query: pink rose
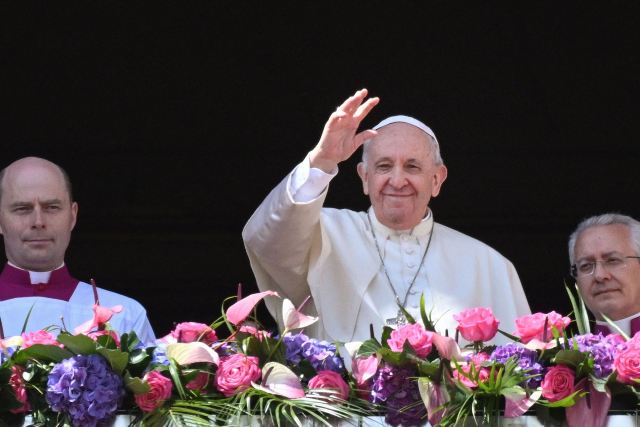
159,391
200,382
39,337
236,373
477,324
17,383
558,383
627,363
419,339
330,380
532,326
190,331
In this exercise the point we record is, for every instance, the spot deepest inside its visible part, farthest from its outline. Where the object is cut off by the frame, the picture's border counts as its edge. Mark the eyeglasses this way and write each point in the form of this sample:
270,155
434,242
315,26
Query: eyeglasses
612,263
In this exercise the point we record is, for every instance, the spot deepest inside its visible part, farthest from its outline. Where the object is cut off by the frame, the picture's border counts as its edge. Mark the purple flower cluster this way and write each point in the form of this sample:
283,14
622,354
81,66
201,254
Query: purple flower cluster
603,349
527,360
86,389
321,354
396,389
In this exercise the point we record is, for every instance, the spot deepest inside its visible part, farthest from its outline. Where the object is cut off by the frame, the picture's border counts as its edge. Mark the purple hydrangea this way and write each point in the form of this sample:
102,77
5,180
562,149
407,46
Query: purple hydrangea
86,389
527,360
397,390
602,349
322,355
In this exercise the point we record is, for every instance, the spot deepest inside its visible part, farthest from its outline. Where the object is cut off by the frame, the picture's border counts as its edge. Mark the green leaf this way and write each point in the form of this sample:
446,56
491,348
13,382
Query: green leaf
579,310
42,352
369,347
571,358
116,358
135,384
78,344
426,318
174,371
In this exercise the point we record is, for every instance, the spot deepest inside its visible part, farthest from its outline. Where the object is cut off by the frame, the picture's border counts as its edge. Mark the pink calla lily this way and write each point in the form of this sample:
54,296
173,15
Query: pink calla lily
364,368
192,352
101,315
240,310
294,319
280,380
517,403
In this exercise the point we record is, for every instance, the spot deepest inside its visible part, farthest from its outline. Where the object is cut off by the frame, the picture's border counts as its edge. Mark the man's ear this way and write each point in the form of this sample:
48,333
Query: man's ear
362,172
74,214
438,178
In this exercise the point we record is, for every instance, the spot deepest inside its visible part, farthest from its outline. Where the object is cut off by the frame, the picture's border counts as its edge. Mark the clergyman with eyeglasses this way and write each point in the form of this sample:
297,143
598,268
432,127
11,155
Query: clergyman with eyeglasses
604,251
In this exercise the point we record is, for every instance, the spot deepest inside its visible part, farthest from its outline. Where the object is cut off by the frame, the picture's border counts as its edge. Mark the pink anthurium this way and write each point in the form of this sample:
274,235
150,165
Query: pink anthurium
364,368
241,309
447,347
280,380
517,402
591,410
101,315
192,352
434,396
295,319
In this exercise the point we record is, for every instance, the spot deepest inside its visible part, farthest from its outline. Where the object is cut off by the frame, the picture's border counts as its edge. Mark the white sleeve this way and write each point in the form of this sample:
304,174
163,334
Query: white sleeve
308,183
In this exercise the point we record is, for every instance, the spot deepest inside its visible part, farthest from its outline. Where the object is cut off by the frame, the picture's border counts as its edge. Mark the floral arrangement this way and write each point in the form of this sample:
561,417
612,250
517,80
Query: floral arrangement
418,374
412,374
189,377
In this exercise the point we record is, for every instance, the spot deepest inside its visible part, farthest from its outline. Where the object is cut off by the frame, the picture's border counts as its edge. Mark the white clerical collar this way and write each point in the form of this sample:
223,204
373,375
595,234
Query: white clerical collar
623,324
420,231
37,277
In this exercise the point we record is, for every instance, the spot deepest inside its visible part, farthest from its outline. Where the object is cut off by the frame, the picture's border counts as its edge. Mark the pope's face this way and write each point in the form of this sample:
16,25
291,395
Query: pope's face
400,175
36,215
611,290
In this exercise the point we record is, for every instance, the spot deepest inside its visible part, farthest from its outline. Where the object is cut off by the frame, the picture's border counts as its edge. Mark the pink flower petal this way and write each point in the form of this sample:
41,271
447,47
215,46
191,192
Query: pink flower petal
240,310
280,380
364,368
293,319
433,396
447,347
192,352
582,415
101,315
517,404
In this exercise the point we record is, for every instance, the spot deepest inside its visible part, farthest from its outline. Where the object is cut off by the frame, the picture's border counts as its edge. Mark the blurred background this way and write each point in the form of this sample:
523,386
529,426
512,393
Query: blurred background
174,121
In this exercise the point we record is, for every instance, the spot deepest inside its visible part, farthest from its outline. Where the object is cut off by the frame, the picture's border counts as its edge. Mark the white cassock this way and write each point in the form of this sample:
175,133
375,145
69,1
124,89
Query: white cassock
298,248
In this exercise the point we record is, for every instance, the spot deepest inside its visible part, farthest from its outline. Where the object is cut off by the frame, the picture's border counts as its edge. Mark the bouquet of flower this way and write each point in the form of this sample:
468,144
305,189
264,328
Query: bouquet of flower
416,374
190,376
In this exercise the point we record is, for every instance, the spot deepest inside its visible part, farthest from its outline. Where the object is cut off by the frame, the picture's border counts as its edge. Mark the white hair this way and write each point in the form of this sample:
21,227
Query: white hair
606,219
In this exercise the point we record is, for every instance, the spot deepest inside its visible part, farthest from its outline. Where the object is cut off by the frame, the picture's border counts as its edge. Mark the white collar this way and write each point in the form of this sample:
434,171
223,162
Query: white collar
37,277
422,230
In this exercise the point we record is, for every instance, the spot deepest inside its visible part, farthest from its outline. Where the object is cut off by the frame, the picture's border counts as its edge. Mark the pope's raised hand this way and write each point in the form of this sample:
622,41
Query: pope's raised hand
339,139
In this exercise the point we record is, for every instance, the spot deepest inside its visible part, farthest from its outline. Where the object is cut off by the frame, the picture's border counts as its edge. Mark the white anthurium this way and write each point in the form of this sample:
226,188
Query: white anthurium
295,319
280,380
192,352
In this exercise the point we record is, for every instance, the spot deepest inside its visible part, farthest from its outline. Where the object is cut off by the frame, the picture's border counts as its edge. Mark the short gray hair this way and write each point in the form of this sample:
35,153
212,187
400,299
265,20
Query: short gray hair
435,150
610,218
